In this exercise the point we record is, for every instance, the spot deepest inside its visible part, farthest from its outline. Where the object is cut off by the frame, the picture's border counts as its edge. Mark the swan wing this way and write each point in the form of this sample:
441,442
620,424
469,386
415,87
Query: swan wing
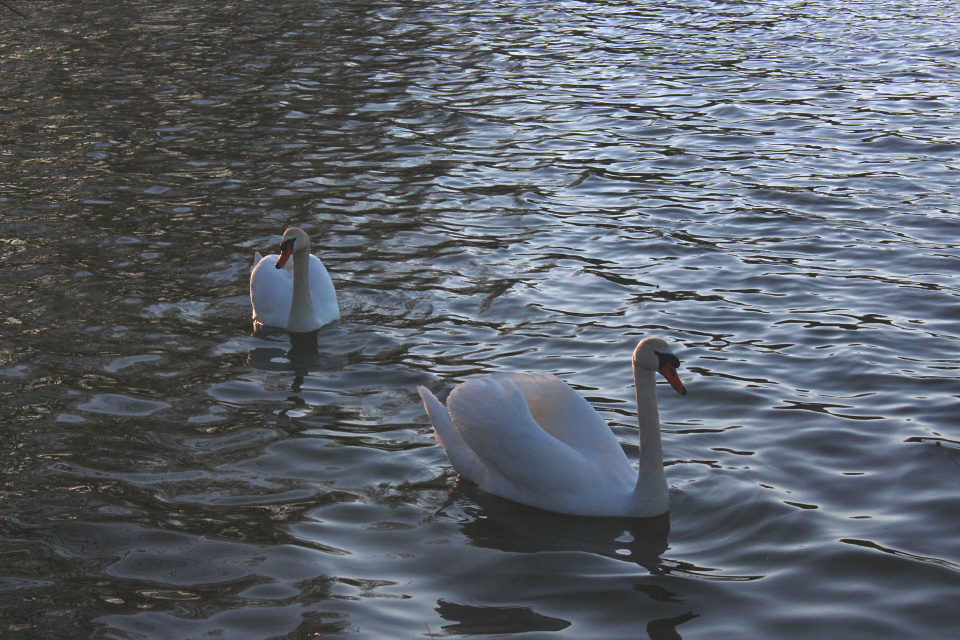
567,416
271,291
528,464
463,459
322,294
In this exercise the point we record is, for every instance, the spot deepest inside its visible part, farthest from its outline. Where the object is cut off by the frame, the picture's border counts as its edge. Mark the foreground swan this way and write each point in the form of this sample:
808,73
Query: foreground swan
531,438
298,299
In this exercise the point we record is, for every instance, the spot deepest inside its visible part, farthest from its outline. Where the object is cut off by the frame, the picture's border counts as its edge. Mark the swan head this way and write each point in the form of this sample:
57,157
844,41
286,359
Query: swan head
653,354
294,240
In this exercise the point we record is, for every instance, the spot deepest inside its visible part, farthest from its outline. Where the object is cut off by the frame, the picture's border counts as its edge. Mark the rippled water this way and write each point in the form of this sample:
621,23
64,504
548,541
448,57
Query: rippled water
493,186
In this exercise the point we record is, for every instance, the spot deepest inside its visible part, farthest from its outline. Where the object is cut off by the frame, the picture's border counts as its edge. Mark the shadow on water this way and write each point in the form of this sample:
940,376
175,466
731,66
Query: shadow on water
498,524
512,527
302,358
666,628
471,620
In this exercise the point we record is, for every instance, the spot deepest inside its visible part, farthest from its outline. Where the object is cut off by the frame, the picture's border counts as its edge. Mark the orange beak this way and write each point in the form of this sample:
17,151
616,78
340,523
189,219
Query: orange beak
670,373
285,252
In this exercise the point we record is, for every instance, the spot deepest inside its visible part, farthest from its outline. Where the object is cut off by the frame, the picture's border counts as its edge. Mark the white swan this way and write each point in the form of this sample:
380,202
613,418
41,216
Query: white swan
298,299
532,439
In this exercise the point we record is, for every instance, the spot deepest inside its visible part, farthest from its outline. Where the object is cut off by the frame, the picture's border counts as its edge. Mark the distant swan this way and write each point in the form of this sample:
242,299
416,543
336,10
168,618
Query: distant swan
532,439
299,299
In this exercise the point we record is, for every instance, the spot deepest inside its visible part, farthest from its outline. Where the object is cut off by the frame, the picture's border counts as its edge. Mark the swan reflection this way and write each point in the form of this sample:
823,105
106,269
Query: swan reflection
501,524
300,356
495,523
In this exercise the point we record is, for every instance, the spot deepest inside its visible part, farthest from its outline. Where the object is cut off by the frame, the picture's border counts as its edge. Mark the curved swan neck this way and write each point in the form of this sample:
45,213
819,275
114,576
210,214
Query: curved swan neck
301,306
651,491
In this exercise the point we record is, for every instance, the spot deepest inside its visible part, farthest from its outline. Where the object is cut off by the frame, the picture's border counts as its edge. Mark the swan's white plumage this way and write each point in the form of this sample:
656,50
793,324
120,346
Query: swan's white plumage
463,459
533,439
271,292
567,416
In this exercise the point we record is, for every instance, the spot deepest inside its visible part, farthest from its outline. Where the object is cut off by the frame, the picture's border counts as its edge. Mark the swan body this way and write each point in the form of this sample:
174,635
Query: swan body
296,295
530,438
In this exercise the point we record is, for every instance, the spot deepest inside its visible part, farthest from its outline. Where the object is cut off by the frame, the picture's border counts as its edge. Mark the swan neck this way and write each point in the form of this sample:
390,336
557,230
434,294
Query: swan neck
648,419
651,489
301,306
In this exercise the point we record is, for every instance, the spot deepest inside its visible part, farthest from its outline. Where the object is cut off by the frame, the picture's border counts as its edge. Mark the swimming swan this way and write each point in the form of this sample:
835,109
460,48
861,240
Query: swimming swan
530,438
299,299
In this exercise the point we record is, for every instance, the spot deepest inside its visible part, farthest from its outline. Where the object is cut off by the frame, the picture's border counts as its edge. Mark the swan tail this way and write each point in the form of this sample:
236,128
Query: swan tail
256,260
463,459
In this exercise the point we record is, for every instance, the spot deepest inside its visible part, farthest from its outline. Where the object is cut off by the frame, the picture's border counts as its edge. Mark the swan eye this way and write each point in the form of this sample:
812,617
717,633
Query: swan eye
667,359
287,245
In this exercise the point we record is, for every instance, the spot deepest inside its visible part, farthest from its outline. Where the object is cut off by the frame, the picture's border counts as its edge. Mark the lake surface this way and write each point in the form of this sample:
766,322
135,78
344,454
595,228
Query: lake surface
494,186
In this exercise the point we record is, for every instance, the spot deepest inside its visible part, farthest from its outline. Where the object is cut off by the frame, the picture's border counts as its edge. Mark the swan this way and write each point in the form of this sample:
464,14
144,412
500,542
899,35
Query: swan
299,299
530,438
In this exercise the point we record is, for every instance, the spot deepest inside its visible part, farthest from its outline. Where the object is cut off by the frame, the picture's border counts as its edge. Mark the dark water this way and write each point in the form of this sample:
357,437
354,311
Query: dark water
504,185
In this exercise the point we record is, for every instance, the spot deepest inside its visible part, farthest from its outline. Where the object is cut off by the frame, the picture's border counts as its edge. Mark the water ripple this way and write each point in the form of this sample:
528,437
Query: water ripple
493,186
